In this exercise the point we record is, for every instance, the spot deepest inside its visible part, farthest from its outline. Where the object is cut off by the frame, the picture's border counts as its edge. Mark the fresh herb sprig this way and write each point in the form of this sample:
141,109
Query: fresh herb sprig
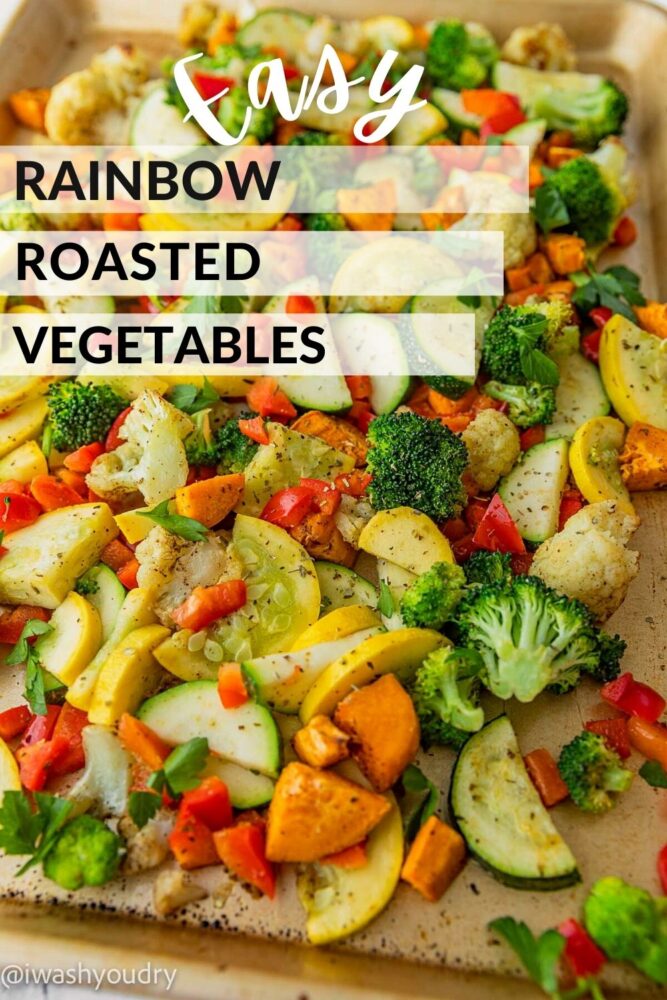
193,399
176,524
23,831
180,772
616,288
25,652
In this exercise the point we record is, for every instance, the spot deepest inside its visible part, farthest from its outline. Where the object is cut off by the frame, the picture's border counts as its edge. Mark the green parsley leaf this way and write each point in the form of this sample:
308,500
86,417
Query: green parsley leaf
419,800
176,524
142,806
385,603
470,301
550,209
537,367
24,652
191,399
654,774
2,537
183,766
539,956
617,289
23,831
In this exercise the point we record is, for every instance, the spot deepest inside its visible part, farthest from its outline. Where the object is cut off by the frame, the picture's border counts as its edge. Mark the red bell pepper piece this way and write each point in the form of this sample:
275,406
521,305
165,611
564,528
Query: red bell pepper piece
502,122
614,732
325,496
634,698
209,85
590,346
296,304
662,869
463,548
206,605
350,858
531,436
113,438
475,511
497,531
209,804
69,726
36,762
254,429
521,562
288,507
82,459
127,574
231,685
601,315
360,414
581,952
571,502
41,727
191,842
486,102
454,529
17,511
359,385
354,483
14,721
242,848
13,621
625,233
51,494
265,398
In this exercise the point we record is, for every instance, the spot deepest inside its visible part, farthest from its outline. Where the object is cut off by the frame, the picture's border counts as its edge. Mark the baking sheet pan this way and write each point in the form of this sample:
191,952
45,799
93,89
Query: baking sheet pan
413,947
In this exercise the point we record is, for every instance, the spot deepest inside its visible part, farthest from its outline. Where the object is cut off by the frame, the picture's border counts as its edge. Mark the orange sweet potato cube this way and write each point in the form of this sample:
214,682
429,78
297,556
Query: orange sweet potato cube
435,859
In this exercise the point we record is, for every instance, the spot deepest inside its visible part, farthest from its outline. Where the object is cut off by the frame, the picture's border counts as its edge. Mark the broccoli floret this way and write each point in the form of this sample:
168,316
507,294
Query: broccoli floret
610,653
81,413
86,852
234,449
16,216
416,462
448,385
432,598
528,404
326,256
86,585
488,567
629,924
459,58
593,772
515,338
445,693
592,204
201,446
589,114
528,636
326,222
232,112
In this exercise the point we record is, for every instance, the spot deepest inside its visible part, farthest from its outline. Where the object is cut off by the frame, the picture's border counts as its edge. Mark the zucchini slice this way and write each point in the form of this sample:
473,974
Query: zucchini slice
501,816
276,26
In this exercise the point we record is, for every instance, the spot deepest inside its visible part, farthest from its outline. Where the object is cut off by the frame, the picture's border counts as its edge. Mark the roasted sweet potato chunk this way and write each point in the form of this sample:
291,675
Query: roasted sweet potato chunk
321,743
644,458
435,859
382,724
314,813
336,432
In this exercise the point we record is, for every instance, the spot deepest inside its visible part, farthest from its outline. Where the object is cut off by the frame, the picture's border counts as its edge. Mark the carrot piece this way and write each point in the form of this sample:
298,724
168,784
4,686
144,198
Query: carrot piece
127,574
563,137
421,36
286,131
446,407
232,689
192,842
435,859
223,32
116,554
470,138
559,289
545,775
653,318
209,501
121,222
347,61
535,175
649,738
558,155
351,858
29,107
369,208
565,253
359,386
518,278
51,494
539,268
142,742
518,298
75,480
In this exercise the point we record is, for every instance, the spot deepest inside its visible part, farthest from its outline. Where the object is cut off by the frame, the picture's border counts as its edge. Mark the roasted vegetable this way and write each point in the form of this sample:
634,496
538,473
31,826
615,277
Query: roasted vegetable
593,772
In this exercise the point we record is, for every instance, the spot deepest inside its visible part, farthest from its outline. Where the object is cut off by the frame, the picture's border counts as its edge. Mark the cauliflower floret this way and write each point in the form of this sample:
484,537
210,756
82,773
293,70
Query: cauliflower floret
147,847
493,444
541,46
589,560
518,229
352,517
174,889
348,36
86,107
152,461
172,567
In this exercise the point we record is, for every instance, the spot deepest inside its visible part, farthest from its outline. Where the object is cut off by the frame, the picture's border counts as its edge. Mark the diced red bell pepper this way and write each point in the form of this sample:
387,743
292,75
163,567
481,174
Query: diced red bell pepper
36,762
14,721
354,483
191,842
486,102
52,494
288,507
463,548
590,346
601,315
614,732
242,848
531,436
581,952
625,232
13,621
497,531
634,698
17,511
662,869
231,685
82,459
521,562
359,385
69,726
41,727
113,438
206,605
475,511
296,304
127,574
360,414
502,122
325,496
209,85
454,529
209,803
571,502
255,429
265,398
352,857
